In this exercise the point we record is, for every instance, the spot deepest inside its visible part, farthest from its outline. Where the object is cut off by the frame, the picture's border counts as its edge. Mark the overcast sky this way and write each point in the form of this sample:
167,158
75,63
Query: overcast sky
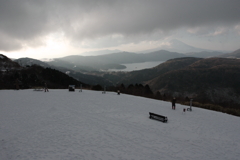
56,28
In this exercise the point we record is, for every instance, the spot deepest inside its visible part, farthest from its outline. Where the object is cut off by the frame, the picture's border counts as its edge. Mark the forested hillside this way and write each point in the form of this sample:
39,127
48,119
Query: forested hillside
13,74
211,80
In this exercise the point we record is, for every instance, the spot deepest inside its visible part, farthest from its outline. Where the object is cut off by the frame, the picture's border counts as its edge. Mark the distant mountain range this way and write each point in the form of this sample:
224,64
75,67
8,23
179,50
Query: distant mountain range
204,54
111,61
100,52
175,45
103,60
116,60
235,54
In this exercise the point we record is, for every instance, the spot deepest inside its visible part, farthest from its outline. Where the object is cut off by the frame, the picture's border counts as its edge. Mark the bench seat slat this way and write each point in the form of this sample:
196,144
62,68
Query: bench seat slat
158,117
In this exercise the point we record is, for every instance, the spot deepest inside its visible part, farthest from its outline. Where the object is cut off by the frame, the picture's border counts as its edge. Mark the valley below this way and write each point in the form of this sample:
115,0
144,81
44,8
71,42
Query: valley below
160,74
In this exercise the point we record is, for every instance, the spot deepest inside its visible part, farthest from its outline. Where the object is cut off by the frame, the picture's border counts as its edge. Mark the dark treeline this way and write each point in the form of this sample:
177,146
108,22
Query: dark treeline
35,76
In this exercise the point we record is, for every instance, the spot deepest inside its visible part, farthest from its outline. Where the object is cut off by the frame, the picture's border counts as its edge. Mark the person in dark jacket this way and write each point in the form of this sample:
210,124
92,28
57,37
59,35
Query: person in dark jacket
174,103
45,87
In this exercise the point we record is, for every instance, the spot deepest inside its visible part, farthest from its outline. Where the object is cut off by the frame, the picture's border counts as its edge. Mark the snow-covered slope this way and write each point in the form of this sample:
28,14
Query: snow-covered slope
62,125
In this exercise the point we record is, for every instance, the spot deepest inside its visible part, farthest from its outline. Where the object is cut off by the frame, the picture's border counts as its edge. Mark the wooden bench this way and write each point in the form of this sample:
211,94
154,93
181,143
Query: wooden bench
158,117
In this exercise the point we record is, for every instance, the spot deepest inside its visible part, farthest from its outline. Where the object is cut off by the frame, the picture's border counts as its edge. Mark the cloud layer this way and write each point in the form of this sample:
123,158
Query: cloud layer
28,23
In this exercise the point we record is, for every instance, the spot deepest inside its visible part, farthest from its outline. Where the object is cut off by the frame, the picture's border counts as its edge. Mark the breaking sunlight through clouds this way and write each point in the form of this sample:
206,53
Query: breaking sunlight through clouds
44,29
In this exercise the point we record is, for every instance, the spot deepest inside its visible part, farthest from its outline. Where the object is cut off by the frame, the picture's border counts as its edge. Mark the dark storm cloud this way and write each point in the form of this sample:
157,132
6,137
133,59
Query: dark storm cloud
21,21
137,17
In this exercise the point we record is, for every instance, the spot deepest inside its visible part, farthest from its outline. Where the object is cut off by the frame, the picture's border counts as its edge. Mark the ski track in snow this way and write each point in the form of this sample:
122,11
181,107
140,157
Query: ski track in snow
89,125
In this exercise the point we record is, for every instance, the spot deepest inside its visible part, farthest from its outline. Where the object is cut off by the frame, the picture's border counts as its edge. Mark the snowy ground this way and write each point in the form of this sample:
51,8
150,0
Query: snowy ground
62,125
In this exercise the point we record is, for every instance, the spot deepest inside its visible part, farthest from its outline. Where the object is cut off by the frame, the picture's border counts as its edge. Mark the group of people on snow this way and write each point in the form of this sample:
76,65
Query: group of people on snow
174,104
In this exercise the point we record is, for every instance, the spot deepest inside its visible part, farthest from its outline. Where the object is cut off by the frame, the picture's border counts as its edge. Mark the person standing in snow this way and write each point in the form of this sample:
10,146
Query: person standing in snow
174,103
45,87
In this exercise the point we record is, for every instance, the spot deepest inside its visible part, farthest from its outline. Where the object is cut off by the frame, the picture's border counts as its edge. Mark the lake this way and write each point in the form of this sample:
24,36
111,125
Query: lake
138,66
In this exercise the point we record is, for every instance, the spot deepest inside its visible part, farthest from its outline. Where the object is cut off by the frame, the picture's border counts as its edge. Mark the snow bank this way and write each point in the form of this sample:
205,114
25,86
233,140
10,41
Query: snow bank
90,125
